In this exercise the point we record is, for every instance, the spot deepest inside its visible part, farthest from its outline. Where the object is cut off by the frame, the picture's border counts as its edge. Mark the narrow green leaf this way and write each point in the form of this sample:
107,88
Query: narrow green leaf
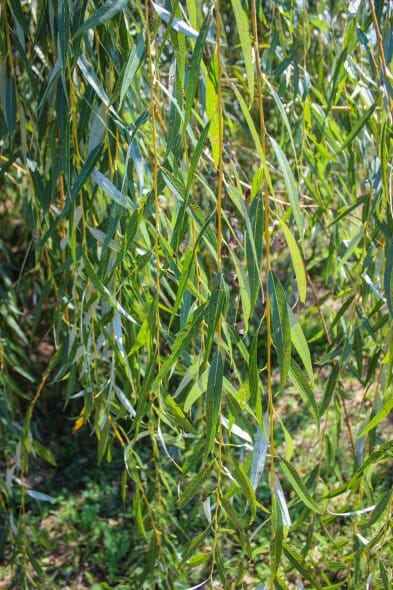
196,391
177,414
246,487
212,108
92,78
281,328
277,537
194,486
187,267
44,453
174,182
290,185
63,35
298,563
133,63
338,74
109,188
215,308
90,75
20,17
299,341
253,375
251,125
254,246
222,570
213,399
150,558
185,274
244,289
304,389
10,105
380,508
196,156
182,340
200,218
137,512
318,22
379,416
195,542
87,169
48,87
242,26
385,576
236,521
298,487
283,114
388,277
193,76
63,122
197,560
357,127
105,12
289,444
346,210
297,261
104,291
330,389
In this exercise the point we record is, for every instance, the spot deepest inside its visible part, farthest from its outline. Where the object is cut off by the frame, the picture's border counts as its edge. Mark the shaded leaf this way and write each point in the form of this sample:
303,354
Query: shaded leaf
304,389
182,340
109,188
213,399
388,277
281,329
133,63
298,563
194,486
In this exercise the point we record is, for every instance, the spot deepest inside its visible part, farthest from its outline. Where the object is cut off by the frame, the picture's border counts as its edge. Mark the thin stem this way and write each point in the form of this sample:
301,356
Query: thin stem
157,482
266,237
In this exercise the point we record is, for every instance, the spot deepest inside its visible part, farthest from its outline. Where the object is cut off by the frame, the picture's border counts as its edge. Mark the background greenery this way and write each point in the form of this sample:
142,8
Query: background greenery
196,267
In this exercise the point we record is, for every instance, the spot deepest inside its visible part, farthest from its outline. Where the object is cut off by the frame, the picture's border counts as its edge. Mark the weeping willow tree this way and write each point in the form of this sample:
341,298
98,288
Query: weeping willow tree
205,193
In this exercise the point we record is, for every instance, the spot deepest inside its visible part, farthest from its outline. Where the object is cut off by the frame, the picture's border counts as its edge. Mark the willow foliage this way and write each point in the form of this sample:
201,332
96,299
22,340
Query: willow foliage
207,188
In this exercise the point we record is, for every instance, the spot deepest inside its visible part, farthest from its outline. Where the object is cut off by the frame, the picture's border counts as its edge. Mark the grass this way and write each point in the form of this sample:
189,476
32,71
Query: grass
88,537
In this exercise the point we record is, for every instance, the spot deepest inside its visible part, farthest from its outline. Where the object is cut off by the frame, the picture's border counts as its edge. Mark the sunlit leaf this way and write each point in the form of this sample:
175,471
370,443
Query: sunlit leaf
105,12
178,24
246,43
299,488
291,189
